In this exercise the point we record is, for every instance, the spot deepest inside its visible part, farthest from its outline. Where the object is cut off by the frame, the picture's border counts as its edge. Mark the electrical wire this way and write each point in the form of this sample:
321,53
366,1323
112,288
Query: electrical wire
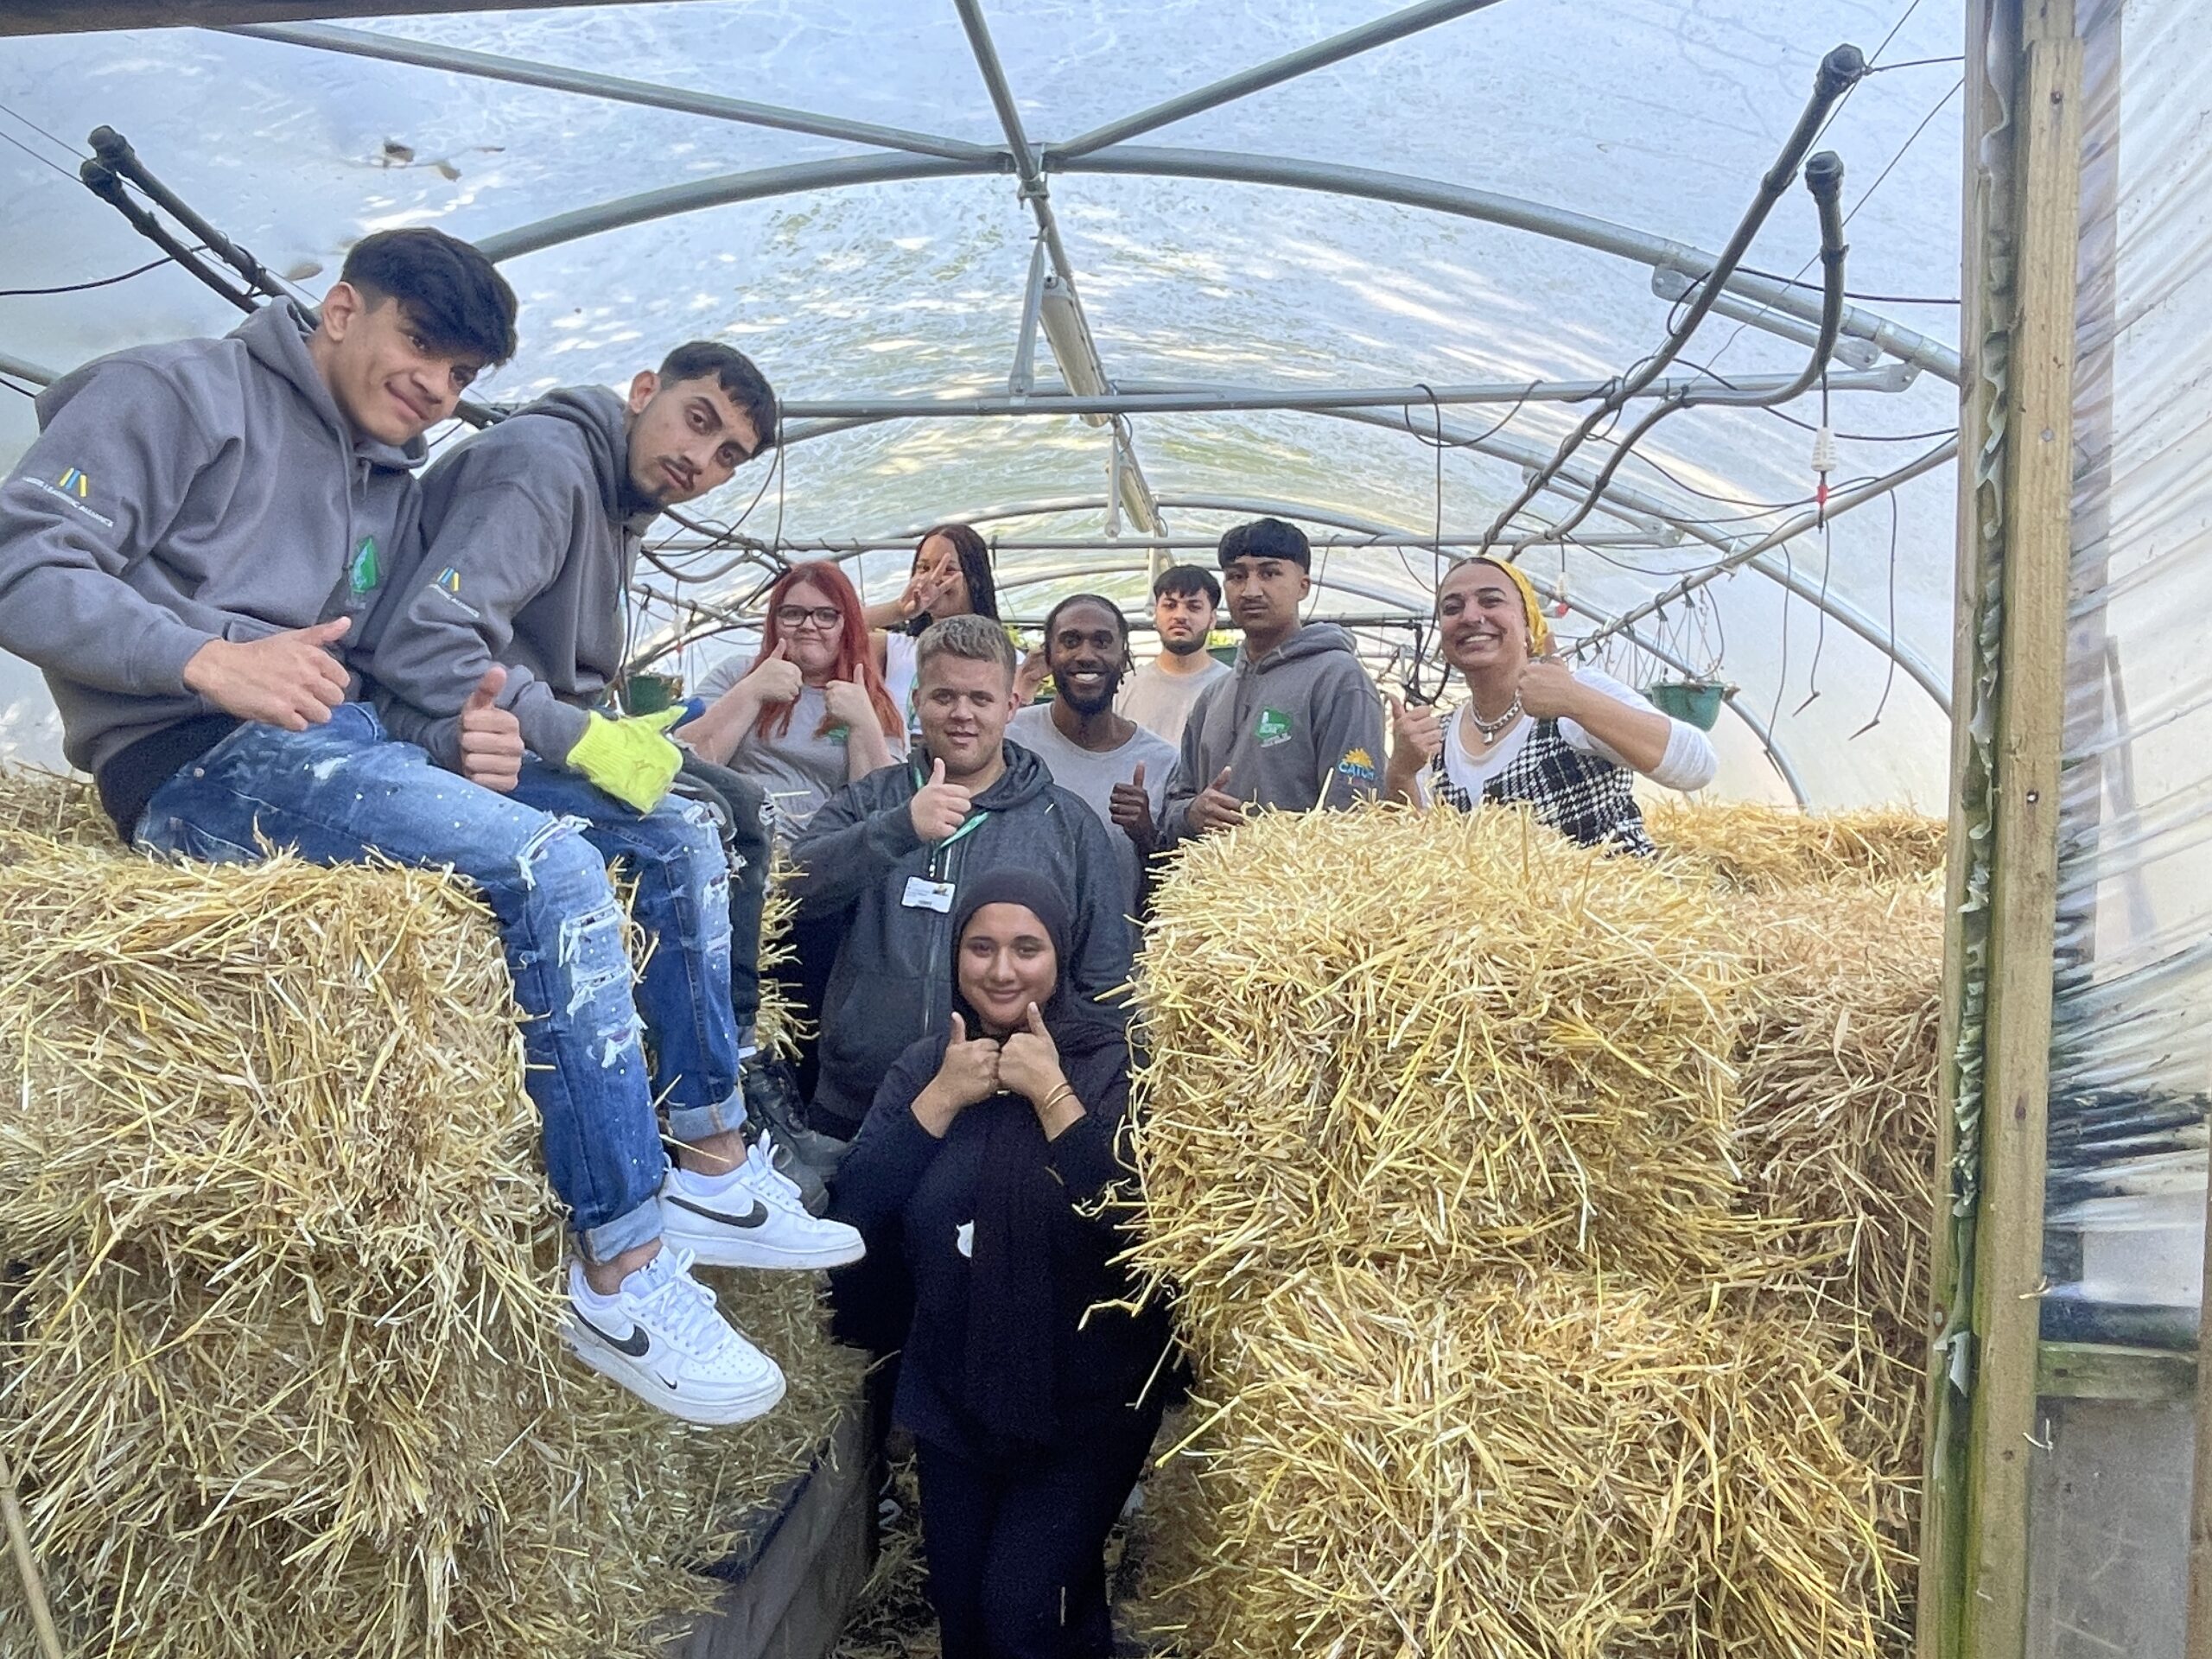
79,287
43,160
76,152
1890,678
11,386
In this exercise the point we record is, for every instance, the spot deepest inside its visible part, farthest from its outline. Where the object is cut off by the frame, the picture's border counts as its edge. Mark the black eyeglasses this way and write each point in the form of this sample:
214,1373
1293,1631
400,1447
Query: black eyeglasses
791,618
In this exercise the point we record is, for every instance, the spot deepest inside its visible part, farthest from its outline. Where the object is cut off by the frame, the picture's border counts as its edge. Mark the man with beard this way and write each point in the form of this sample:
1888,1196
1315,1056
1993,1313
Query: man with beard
1118,768
1186,599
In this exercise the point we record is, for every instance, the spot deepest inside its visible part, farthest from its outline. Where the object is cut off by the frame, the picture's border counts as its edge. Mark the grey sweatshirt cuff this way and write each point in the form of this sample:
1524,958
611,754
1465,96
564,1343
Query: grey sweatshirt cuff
157,659
549,727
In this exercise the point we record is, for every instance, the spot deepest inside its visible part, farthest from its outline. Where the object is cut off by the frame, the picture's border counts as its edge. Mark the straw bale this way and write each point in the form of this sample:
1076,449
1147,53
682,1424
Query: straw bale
48,806
280,1369
1457,1036
1561,1466
1441,1416
1763,849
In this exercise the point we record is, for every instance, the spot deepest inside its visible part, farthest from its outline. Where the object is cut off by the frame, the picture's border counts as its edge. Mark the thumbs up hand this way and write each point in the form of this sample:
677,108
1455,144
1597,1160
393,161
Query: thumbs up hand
490,736
1129,805
1214,808
939,808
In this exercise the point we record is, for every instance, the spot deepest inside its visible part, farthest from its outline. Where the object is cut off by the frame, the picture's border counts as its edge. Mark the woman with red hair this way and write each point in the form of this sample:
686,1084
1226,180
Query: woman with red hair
810,714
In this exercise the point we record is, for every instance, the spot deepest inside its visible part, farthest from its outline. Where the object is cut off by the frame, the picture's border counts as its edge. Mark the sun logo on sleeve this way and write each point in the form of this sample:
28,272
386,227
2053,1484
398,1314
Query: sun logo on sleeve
1358,766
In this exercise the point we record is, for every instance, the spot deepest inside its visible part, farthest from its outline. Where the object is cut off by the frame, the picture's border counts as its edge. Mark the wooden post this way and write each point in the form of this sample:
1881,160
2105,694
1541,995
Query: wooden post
2028,713
2197,1642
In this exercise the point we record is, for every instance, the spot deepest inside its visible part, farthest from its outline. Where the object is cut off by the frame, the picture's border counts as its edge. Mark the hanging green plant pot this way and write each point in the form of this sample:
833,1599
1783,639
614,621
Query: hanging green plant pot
1696,703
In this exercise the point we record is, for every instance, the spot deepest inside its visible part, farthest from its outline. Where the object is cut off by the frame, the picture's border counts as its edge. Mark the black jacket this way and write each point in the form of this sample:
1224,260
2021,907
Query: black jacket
891,984
1108,1372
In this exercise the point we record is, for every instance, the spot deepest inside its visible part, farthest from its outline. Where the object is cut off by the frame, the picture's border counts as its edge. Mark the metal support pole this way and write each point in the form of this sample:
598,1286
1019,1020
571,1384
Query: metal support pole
1023,375
1364,38
520,72
1037,191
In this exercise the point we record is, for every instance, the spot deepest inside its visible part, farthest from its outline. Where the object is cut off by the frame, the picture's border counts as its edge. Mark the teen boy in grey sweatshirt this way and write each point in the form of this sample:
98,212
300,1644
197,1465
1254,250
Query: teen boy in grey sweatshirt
184,550
1297,725
530,537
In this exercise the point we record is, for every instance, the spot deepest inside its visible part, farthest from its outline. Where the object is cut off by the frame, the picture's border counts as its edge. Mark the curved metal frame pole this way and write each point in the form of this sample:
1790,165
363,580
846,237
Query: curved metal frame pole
1515,213
1364,38
558,78
1226,166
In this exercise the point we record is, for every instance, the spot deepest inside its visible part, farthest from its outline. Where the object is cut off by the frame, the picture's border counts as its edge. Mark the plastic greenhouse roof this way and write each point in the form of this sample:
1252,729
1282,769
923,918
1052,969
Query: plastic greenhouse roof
1651,120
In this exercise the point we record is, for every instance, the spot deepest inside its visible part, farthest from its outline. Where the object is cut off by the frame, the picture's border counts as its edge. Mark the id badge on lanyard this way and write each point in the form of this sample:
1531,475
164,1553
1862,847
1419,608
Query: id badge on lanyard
932,890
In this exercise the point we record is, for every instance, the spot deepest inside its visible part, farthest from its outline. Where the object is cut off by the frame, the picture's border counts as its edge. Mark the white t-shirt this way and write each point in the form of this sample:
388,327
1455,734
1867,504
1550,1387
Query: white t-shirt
1092,773
1161,703
898,669
1689,762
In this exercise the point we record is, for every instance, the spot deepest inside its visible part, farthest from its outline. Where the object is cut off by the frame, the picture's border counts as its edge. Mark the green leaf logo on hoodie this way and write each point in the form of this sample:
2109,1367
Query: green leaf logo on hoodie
1272,727
362,574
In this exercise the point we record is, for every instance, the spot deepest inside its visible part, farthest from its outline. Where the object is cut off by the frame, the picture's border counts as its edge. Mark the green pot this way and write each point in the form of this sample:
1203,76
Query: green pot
1695,702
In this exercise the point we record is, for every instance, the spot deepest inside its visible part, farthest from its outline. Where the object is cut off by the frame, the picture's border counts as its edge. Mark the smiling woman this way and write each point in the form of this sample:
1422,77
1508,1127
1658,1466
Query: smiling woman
1534,732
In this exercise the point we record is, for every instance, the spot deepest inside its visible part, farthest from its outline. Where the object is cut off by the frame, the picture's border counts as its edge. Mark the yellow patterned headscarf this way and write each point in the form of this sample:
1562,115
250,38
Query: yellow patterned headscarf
1540,630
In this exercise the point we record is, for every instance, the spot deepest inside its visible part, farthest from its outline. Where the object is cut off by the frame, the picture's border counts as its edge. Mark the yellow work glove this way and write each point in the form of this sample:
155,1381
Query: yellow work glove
630,758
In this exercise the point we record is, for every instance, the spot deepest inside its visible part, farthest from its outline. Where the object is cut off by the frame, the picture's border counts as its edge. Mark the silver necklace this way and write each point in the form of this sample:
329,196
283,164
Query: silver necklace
1494,729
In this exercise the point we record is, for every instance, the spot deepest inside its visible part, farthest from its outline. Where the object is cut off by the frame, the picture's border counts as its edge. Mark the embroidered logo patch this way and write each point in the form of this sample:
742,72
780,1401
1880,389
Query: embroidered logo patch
362,574
73,487
1272,727
1358,766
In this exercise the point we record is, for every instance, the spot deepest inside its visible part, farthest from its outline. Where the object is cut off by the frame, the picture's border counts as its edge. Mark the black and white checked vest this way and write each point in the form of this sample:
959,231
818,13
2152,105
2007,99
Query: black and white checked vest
1585,796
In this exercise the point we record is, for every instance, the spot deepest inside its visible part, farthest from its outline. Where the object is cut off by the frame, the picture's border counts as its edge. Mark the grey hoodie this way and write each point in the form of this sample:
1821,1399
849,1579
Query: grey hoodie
530,532
1299,728
176,494
857,860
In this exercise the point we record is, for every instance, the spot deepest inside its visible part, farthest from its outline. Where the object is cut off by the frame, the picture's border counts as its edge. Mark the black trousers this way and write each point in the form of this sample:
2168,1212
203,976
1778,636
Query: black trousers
1017,1551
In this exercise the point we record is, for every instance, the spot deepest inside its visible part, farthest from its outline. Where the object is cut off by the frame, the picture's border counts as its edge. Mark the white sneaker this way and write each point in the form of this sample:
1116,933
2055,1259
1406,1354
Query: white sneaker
751,1218
661,1337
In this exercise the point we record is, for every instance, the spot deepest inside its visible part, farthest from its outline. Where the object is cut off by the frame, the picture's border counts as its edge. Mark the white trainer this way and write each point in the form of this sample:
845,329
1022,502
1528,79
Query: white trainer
661,1337
751,1218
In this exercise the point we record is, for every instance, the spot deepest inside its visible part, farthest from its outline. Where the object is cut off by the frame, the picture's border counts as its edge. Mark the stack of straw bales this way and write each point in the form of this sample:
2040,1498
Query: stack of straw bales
1500,1187
281,1372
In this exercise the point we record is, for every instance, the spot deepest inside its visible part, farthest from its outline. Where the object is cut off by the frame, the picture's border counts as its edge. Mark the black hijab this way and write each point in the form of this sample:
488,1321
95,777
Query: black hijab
1008,1382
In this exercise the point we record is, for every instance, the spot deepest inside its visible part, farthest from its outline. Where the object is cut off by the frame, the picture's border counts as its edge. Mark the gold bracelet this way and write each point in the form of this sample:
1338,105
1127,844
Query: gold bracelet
1052,1099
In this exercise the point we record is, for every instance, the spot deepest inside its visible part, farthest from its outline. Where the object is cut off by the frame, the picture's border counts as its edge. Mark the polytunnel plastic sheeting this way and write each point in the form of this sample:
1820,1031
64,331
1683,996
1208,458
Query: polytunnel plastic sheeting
1659,117
2131,1053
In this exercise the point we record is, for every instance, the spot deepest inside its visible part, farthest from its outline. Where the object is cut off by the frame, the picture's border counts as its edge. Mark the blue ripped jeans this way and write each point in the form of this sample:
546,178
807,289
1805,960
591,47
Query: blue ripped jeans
540,856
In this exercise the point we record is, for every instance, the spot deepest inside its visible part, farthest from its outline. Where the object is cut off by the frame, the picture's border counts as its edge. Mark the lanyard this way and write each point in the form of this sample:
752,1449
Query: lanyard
938,853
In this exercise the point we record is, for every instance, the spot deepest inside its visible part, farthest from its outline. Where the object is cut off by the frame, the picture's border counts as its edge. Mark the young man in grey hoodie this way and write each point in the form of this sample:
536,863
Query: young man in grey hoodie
1297,725
530,538
185,550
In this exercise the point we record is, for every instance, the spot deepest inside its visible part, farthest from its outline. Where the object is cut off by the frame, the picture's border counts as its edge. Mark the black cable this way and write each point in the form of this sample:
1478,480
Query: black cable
1957,86
1782,680
1914,63
55,139
43,160
79,287
1849,293
12,386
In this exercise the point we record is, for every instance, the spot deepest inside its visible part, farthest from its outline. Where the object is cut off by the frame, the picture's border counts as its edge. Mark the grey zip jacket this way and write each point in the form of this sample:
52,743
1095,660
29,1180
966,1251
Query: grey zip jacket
891,985
1301,727
178,493
529,533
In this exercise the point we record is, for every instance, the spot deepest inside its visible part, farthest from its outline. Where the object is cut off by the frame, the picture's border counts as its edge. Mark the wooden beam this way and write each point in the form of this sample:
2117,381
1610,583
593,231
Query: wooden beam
1942,1583
73,16
2091,1371
2030,707
2196,1639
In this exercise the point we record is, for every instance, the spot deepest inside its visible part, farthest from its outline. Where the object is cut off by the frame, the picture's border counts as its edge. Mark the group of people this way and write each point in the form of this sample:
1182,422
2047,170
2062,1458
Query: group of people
262,629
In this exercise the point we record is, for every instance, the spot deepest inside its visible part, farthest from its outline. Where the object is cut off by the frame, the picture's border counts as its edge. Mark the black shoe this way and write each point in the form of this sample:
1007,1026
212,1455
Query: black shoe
772,1108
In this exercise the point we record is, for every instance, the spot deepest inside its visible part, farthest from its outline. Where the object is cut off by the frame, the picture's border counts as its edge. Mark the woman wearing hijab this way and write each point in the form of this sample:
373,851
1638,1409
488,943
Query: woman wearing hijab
1564,742
990,1149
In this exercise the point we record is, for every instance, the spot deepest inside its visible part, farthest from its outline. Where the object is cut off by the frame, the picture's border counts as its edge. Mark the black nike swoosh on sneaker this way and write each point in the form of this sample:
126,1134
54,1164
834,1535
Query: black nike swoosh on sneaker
635,1345
757,1218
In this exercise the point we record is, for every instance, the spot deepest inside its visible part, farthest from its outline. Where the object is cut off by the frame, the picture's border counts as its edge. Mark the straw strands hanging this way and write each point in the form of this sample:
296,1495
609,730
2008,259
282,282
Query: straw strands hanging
1516,1204
281,1371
